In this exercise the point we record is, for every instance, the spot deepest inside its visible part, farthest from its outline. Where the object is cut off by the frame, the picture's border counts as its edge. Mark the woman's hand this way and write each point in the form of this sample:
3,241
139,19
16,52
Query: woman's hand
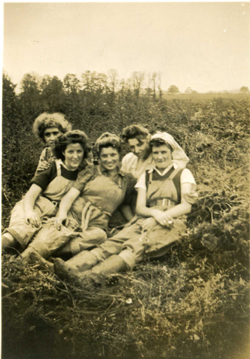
32,218
42,166
148,223
58,222
163,218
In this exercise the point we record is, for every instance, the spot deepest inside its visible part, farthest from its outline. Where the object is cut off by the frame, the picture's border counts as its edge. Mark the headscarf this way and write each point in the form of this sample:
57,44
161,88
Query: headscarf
178,155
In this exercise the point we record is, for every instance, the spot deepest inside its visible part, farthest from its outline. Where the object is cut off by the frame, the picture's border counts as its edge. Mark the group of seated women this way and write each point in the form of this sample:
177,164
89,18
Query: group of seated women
71,204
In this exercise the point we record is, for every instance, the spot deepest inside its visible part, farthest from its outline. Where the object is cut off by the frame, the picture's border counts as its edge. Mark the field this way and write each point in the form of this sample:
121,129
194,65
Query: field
192,303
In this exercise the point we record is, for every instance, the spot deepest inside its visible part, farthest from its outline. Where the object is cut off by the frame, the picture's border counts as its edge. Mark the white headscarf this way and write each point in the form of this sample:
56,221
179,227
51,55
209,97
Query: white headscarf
179,156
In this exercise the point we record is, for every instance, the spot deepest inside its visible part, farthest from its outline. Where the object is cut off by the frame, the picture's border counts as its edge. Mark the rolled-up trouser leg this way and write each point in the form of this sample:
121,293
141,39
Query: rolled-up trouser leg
107,249
18,227
87,259
90,238
114,245
8,241
47,241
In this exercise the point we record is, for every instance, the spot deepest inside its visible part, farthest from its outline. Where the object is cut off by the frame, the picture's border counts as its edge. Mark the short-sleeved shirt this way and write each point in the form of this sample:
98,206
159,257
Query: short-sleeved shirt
42,179
130,164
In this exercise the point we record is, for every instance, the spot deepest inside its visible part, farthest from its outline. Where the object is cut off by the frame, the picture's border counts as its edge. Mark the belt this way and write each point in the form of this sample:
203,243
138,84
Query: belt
55,203
165,202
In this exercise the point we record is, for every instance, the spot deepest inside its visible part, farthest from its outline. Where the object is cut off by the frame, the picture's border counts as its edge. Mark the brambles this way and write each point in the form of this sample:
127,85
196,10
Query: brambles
193,302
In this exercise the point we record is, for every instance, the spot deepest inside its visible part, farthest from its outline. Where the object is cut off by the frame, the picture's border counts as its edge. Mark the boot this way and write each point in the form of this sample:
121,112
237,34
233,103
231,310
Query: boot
34,248
40,262
111,265
83,261
65,272
46,242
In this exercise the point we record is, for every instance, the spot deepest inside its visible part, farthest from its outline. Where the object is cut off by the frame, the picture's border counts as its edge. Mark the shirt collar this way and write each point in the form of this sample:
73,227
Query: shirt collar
173,165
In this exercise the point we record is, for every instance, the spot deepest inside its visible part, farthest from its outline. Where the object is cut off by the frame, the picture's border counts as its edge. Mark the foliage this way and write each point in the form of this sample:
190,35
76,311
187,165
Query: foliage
193,302
173,89
244,89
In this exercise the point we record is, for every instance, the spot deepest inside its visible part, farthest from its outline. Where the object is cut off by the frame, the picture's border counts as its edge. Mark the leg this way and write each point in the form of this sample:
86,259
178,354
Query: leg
76,268
87,259
90,238
8,241
113,264
18,231
47,241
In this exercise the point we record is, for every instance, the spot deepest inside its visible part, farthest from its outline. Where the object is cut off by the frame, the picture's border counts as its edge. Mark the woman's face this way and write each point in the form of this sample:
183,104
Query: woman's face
73,156
138,147
109,158
162,156
50,135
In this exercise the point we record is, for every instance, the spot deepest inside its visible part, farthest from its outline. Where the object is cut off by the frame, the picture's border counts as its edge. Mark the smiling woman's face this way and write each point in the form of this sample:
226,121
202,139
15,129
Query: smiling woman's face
109,158
73,156
138,147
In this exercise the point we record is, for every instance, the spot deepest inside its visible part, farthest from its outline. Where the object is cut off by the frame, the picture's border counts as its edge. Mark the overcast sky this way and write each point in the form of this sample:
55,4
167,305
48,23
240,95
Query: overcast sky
202,45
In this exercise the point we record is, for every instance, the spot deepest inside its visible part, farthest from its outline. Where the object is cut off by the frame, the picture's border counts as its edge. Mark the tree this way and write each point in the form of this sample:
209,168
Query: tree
173,89
188,90
112,75
30,98
16,141
52,94
71,83
137,80
244,89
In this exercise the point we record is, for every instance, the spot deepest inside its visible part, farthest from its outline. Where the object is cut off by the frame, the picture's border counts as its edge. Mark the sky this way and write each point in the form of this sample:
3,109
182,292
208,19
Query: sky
205,46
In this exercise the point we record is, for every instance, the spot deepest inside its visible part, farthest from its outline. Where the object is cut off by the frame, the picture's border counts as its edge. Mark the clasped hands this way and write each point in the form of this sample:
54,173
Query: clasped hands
158,216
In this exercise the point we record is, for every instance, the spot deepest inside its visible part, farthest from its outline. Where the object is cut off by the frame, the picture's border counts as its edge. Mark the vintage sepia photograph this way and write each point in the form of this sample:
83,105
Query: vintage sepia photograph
125,180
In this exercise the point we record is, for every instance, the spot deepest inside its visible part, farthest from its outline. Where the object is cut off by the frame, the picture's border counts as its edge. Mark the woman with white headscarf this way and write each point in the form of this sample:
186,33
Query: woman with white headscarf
162,203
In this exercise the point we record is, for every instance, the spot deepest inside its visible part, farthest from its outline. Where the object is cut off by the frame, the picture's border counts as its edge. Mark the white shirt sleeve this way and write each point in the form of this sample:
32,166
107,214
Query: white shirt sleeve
187,177
141,182
126,162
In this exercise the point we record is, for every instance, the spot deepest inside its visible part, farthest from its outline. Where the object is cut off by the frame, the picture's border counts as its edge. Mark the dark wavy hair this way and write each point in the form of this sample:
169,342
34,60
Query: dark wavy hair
135,131
75,136
157,142
107,140
49,120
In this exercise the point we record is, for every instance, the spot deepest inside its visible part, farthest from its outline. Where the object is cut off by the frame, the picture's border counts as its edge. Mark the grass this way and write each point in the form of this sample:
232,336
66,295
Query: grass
192,303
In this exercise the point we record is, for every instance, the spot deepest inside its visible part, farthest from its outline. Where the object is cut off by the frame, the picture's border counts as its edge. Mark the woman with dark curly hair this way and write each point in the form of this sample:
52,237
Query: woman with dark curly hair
48,127
47,189
162,203
82,218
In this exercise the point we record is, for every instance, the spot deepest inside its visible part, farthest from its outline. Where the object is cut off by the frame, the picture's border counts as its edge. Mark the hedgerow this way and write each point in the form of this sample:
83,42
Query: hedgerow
191,303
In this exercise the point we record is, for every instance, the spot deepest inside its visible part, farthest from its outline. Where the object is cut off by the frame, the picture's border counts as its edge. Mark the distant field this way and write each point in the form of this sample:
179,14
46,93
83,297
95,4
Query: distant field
206,96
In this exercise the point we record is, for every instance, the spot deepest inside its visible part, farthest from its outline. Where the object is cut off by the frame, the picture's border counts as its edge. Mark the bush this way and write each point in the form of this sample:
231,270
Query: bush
191,303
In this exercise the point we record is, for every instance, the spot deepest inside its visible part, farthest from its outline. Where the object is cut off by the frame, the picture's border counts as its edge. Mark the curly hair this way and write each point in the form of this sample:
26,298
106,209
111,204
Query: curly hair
75,136
49,120
135,131
107,140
